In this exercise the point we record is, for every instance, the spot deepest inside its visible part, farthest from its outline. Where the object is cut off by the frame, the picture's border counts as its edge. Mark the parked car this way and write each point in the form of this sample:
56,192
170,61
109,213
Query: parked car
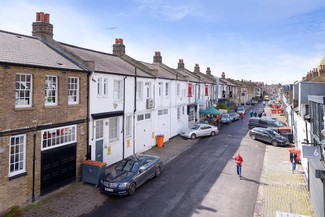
199,130
264,123
275,119
234,116
241,109
130,173
225,119
268,136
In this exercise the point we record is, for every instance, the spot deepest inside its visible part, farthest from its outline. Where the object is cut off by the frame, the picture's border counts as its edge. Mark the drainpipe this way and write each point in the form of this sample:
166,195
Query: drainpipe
34,159
88,154
135,107
123,124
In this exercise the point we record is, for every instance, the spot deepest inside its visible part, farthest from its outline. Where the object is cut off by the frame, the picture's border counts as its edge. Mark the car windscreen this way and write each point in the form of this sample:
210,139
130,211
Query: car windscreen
195,127
130,165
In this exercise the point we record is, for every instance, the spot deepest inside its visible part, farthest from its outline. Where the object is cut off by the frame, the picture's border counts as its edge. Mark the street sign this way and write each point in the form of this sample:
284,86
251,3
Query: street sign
311,152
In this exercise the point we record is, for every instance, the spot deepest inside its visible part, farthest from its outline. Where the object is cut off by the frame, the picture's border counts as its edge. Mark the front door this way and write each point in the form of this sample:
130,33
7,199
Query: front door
99,139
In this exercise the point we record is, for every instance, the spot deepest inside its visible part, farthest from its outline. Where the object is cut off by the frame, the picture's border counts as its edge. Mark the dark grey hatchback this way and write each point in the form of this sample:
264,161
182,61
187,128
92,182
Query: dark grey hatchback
269,136
130,173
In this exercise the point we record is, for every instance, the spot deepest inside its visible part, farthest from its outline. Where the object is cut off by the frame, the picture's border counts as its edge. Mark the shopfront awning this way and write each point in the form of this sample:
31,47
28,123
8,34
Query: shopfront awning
211,111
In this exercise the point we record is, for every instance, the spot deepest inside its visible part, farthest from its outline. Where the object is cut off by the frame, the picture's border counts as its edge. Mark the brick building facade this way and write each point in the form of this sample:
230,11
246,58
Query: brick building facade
43,121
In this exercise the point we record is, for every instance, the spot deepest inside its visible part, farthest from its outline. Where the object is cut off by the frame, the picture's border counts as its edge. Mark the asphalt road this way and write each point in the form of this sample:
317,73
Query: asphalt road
202,181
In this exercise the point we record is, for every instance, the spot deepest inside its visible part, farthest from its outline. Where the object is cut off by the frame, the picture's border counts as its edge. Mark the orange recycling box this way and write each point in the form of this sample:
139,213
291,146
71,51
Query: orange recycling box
273,111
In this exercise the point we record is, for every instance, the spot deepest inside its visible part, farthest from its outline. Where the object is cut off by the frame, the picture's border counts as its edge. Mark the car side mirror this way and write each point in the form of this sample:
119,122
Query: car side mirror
141,169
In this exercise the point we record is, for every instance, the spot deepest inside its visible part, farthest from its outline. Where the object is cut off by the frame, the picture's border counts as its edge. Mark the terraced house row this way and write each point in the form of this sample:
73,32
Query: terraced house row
61,104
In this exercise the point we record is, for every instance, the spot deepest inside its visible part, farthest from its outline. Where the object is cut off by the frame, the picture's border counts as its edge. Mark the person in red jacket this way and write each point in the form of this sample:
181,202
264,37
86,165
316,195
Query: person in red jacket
239,160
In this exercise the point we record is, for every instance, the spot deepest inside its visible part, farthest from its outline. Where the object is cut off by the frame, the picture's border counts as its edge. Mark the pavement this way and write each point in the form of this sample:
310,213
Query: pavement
280,193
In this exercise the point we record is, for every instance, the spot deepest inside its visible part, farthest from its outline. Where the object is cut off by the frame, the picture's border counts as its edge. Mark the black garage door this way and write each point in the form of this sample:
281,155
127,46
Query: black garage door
58,167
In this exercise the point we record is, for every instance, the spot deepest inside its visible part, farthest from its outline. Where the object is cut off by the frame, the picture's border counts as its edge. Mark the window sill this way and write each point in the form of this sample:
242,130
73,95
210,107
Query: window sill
114,141
74,105
24,108
17,176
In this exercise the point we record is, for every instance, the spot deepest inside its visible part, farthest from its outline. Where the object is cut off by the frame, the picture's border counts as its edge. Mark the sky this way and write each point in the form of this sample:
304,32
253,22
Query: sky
270,41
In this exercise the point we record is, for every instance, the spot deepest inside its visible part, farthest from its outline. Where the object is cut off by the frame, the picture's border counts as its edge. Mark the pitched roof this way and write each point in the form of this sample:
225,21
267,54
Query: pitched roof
26,50
106,63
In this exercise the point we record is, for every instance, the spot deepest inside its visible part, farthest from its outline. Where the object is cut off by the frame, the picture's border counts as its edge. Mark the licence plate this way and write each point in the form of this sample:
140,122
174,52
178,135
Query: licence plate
109,189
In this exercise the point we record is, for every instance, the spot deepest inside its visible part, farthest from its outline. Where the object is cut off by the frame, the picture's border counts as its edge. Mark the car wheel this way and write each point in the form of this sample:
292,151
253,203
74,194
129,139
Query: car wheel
193,136
132,188
274,143
213,133
253,136
157,172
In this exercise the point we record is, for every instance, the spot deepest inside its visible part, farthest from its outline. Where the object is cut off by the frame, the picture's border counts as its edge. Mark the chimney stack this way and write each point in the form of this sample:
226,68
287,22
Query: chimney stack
196,68
315,73
208,72
223,75
181,64
119,47
42,28
157,57
322,69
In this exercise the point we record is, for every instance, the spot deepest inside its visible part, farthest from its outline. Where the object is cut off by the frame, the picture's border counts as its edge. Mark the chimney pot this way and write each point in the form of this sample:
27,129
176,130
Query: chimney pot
42,16
38,16
47,18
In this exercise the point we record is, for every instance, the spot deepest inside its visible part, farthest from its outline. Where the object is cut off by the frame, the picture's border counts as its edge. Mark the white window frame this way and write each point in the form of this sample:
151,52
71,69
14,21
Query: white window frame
24,90
117,89
160,89
99,129
178,89
100,87
113,129
73,90
140,117
166,89
105,87
147,116
179,113
60,136
51,90
148,90
128,126
17,155
139,91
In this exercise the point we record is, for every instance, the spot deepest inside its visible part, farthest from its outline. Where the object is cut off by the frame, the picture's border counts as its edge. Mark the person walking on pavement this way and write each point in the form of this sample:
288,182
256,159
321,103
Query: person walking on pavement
239,160
251,113
293,160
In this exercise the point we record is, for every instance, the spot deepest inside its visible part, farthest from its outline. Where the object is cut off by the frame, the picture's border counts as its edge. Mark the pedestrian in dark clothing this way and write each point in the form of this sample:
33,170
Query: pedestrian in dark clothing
293,160
255,114
239,160
251,113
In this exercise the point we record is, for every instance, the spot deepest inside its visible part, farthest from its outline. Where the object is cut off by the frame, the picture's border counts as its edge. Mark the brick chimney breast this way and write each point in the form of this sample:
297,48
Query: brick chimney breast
223,75
119,47
181,64
157,57
42,28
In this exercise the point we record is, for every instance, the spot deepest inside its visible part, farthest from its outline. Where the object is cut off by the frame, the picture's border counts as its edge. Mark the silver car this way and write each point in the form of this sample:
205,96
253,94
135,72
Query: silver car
199,130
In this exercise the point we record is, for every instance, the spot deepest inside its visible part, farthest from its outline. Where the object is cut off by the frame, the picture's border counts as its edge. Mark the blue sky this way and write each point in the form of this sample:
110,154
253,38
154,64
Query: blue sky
271,41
